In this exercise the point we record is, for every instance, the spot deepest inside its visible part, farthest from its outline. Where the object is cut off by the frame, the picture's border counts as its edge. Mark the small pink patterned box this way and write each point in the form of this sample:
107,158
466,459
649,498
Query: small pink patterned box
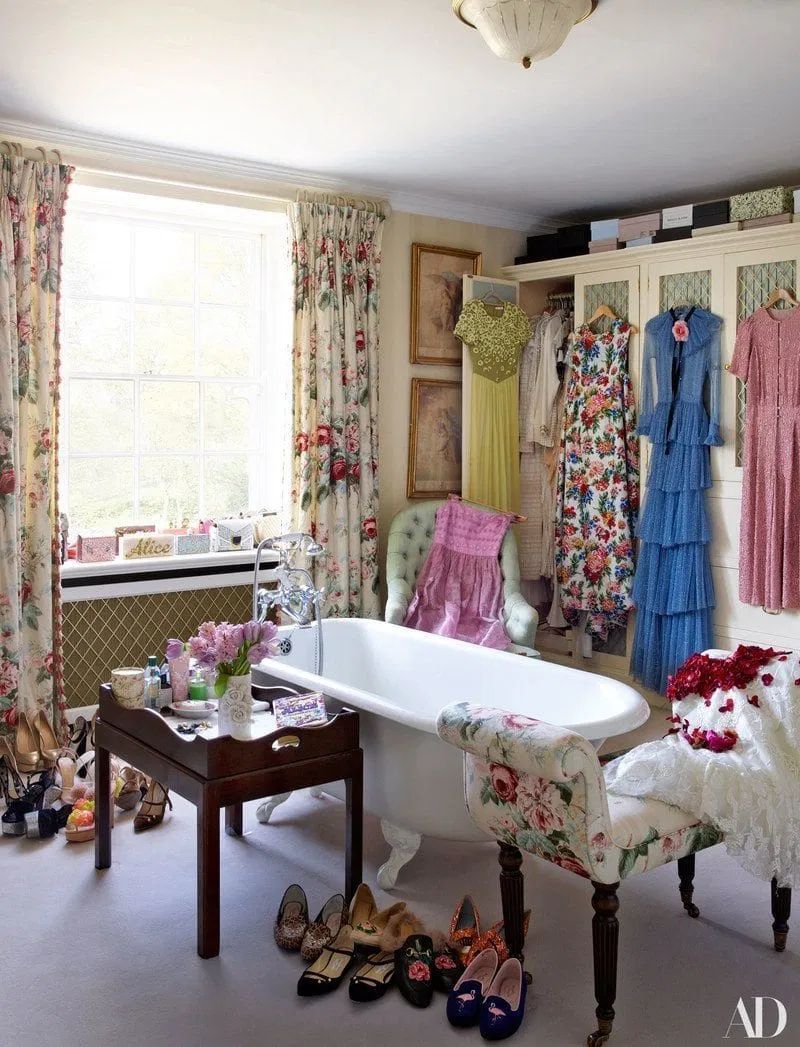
93,548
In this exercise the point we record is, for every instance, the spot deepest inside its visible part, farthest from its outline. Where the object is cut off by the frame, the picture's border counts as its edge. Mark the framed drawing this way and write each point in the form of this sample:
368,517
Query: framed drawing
434,449
437,275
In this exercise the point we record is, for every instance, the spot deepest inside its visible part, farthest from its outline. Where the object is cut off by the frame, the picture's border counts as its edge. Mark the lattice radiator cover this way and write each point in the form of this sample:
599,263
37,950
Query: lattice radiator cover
101,635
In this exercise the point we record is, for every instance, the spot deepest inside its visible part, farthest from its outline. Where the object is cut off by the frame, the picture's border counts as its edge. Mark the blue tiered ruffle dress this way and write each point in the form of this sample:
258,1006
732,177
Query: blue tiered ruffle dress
673,589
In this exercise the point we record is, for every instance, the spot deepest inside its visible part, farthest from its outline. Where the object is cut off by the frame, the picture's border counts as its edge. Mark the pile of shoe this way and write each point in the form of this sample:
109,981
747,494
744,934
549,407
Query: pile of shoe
47,787
485,987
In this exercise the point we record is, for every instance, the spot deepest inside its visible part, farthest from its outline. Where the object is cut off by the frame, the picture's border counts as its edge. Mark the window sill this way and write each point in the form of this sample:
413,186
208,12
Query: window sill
163,574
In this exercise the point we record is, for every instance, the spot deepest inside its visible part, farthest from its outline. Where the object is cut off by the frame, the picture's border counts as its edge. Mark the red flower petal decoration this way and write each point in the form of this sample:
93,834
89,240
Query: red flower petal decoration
727,707
753,700
767,679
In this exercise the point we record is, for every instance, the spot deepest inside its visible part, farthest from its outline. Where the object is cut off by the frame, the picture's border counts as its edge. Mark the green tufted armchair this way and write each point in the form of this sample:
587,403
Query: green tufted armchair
410,538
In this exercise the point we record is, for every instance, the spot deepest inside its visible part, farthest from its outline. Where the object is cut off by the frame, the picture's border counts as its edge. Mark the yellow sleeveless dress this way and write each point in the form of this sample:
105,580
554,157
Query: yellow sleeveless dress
495,339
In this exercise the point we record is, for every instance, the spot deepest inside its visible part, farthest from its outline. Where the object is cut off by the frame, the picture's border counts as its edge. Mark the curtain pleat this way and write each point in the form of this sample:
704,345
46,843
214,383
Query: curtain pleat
32,199
336,260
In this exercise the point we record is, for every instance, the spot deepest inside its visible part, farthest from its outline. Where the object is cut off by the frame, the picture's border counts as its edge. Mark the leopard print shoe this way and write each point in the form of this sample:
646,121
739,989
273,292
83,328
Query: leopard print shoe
324,929
292,920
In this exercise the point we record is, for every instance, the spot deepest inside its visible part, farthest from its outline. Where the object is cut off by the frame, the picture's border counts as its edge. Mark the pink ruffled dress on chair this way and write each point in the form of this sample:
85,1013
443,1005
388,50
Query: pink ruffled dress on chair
459,591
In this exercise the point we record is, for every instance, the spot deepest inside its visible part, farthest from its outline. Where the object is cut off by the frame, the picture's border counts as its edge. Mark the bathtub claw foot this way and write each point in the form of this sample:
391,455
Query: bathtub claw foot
265,809
316,791
405,845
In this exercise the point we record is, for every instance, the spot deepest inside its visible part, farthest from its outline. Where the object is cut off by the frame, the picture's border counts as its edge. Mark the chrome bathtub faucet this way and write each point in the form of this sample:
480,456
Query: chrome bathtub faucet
295,594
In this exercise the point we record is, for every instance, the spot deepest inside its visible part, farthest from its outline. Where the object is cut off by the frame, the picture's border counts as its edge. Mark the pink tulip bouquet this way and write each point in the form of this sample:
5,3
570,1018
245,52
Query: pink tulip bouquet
232,649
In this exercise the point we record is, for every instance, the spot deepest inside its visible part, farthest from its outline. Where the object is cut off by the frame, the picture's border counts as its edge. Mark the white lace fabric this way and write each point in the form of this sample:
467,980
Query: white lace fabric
751,793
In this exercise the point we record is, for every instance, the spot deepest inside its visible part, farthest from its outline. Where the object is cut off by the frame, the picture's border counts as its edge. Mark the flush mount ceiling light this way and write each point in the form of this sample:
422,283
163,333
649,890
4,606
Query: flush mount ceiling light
523,30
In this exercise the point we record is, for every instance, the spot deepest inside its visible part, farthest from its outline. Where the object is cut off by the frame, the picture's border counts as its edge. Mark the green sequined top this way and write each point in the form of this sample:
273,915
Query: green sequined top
495,339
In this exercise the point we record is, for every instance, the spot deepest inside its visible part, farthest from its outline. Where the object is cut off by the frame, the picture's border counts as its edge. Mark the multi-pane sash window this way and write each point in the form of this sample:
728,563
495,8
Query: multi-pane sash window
175,362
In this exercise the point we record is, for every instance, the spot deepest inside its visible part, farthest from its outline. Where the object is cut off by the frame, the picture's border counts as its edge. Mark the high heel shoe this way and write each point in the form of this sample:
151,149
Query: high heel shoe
366,920
41,825
154,805
10,781
26,747
134,788
40,792
45,736
465,927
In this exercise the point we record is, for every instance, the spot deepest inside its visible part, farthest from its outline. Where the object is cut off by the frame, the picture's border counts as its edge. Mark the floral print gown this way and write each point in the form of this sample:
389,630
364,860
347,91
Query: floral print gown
598,483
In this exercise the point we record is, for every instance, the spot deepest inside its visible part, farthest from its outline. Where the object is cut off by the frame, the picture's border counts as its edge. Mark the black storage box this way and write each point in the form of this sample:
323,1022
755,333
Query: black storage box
574,239
716,213
543,248
680,232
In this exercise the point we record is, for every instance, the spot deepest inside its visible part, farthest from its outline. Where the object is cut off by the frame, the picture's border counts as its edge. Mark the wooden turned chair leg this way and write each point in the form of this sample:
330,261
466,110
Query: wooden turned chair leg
605,939
686,876
512,894
781,910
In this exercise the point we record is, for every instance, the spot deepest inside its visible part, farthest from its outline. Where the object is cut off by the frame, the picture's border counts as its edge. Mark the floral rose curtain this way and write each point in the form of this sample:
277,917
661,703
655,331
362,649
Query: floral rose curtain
336,258
32,197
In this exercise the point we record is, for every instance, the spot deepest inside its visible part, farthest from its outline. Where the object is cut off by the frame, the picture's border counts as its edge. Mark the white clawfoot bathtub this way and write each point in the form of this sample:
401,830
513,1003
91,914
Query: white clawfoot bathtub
398,680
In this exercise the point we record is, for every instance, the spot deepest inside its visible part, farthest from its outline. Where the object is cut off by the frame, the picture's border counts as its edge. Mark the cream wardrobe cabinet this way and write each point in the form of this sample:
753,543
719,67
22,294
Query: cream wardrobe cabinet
732,274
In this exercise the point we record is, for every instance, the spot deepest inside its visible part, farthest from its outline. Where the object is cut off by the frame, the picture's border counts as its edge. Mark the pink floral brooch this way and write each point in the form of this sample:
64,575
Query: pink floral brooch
680,331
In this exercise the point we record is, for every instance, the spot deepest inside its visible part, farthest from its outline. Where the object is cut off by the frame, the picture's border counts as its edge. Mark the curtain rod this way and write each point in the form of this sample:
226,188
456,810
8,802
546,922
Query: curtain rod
363,203
302,195
17,149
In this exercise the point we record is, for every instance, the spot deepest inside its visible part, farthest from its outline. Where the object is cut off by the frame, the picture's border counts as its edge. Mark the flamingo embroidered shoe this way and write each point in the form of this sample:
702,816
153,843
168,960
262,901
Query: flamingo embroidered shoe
466,998
504,1006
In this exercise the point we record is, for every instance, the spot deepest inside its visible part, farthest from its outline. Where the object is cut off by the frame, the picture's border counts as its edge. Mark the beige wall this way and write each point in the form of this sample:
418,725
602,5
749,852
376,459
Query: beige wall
499,247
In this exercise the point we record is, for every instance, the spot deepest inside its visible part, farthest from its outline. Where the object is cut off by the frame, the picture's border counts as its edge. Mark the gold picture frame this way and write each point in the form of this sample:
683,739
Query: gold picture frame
436,298
434,446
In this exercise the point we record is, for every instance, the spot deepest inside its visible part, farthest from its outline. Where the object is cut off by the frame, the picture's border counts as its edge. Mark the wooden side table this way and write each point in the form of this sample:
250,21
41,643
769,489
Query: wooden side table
213,771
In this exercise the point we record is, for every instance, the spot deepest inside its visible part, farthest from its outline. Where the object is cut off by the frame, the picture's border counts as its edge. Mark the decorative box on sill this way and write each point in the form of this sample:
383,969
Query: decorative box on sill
680,232
134,529
142,546
763,223
715,212
638,226
95,548
677,217
599,246
761,203
192,544
605,229
232,535
711,230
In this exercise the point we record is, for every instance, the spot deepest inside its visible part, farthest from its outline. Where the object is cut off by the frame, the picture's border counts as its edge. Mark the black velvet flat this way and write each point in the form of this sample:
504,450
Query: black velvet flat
447,969
373,977
414,969
327,972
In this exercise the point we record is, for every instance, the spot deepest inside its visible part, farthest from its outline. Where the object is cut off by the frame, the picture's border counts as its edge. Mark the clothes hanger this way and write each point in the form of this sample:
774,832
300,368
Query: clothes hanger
780,294
492,298
606,310
484,505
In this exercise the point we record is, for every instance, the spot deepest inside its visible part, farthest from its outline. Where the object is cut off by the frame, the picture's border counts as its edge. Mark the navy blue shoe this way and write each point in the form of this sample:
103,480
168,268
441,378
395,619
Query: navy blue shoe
504,1006
466,997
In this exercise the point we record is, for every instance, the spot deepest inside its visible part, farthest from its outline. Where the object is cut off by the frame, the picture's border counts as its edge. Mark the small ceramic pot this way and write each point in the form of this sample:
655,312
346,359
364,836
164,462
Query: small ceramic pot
127,686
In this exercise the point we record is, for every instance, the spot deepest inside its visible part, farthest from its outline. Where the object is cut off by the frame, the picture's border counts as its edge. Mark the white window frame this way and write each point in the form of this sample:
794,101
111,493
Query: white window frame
268,229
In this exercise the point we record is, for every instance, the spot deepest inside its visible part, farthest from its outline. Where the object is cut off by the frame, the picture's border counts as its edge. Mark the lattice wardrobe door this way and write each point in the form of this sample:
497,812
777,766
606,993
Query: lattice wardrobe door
685,289
616,294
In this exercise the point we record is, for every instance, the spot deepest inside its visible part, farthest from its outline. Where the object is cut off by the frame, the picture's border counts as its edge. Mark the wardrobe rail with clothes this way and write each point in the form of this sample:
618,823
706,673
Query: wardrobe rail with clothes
730,275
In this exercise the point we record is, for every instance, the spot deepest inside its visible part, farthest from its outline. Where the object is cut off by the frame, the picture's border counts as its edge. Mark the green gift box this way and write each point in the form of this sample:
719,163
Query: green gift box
761,203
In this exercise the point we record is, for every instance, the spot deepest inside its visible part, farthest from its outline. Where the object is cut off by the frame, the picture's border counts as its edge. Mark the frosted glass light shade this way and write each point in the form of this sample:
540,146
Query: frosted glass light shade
523,30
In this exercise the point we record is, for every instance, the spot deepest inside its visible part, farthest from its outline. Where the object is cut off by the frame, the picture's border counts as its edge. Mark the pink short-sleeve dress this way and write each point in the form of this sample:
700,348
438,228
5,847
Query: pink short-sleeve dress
767,359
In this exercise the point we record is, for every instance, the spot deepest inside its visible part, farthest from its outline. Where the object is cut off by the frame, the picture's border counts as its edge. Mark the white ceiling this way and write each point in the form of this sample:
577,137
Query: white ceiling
648,102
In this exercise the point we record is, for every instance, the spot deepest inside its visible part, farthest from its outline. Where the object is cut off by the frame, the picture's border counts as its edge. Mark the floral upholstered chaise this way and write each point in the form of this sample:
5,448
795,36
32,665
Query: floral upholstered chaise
540,788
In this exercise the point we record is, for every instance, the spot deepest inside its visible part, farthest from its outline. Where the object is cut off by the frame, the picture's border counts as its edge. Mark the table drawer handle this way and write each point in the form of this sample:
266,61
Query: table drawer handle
288,741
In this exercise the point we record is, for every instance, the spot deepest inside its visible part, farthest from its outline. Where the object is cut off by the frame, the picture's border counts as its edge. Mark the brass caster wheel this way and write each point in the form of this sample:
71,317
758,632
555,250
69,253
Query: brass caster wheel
595,1039
780,940
692,910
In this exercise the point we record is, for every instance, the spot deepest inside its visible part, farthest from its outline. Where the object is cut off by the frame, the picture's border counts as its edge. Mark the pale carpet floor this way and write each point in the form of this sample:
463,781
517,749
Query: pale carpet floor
109,958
